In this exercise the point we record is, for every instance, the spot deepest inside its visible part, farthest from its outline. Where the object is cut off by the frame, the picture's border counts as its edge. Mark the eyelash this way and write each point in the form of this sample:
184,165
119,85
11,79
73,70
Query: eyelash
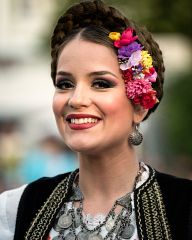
102,84
65,84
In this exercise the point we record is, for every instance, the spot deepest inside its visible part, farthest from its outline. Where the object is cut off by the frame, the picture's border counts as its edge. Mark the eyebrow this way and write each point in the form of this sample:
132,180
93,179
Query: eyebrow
62,73
100,73
96,73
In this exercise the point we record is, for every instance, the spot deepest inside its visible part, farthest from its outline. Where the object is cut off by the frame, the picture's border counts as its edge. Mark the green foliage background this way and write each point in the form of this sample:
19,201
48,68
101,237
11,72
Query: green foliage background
179,116
158,15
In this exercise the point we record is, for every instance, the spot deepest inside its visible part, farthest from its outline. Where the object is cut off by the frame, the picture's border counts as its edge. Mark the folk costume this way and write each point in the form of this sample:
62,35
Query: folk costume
160,205
162,208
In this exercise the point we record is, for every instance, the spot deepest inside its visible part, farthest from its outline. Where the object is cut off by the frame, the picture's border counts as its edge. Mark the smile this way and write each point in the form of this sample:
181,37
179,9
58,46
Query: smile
83,120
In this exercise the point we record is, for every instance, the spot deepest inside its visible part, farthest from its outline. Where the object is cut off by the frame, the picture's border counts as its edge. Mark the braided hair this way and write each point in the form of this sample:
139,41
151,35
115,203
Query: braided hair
93,20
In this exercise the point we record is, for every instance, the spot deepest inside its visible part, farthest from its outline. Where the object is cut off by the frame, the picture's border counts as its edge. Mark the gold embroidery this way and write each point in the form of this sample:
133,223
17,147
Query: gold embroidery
44,216
164,222
149,201
138,213
150,211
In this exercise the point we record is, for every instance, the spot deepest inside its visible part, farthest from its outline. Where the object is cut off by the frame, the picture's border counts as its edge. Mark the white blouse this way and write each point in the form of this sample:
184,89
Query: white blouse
9,202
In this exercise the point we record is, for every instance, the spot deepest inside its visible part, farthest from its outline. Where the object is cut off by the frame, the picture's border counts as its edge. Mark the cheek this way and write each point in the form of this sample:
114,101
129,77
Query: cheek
117,106
58,104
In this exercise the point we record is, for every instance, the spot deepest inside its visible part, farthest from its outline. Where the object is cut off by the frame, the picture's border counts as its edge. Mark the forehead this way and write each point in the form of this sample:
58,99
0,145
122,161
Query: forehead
81,53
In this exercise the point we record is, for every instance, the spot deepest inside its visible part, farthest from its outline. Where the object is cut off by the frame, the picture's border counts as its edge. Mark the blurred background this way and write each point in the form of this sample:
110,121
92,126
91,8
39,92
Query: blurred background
30,146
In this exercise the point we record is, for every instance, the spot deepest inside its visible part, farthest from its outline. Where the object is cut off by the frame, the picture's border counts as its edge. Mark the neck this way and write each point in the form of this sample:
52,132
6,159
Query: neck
107,176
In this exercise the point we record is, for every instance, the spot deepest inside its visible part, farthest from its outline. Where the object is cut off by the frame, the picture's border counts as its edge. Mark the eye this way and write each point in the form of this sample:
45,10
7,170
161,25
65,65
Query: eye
64,84
102,84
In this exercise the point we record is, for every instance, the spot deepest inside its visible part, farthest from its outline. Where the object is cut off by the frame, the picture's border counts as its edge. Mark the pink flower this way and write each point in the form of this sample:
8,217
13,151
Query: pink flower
151,75
137,88
152,78
136,67
150,71
127,75
149,99
126,38
137,100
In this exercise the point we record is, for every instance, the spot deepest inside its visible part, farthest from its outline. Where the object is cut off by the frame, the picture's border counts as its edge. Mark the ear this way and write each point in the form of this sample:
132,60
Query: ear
139,113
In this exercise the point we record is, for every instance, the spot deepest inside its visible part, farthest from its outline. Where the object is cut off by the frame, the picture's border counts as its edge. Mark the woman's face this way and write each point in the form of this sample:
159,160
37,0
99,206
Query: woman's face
92,111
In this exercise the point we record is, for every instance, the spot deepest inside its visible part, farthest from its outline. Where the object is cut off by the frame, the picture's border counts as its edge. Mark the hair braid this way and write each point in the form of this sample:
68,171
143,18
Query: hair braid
81,15
97,13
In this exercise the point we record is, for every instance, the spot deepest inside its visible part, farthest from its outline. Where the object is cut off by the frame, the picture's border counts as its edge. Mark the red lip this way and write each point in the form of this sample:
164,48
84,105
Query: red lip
82,126
80,115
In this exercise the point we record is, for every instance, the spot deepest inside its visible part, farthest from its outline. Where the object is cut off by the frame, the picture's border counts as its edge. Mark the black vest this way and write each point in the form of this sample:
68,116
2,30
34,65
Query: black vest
163,207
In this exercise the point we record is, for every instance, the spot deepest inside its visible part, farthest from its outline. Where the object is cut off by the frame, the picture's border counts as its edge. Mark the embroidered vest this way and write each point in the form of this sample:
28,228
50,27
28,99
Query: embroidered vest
163,207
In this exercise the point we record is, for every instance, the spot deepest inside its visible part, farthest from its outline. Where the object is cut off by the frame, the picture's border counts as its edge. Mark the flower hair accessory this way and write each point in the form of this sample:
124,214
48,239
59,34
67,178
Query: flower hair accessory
136,67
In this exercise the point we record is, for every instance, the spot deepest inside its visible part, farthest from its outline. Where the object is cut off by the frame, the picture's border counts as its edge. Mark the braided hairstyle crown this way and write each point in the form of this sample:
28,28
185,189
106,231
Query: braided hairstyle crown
96,14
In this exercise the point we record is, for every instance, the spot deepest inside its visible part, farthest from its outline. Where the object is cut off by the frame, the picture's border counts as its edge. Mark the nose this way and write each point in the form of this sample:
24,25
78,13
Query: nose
79,98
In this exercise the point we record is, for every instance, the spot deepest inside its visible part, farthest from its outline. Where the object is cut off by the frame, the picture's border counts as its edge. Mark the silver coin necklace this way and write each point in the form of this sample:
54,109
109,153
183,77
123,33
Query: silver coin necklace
115,226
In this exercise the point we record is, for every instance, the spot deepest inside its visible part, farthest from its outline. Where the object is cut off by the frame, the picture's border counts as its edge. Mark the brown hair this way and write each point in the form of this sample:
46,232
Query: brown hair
92,21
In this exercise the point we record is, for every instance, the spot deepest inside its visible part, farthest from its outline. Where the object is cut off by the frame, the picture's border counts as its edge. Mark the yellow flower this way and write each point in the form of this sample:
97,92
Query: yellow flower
114,36
146,59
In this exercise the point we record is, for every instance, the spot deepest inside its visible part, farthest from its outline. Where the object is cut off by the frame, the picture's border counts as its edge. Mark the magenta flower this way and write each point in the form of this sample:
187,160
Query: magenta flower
151,78
151,75
127,75
149,99
137,88
137,69
126,38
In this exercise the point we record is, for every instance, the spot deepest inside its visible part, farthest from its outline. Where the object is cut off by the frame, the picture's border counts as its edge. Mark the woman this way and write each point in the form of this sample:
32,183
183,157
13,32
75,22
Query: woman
108,75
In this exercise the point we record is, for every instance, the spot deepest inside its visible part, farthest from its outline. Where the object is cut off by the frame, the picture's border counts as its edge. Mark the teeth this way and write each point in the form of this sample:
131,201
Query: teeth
83,120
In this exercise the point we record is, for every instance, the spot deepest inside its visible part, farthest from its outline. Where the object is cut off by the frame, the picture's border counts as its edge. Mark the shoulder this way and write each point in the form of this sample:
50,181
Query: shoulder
171,178
32,199
177,199
175,184
46,183
38,191
177,195
9,201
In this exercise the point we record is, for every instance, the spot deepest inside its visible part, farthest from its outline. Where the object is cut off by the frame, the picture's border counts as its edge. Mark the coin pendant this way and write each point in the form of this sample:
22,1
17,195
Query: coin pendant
82,236
65,221
70,236
57,228
128,231
109,224
95,237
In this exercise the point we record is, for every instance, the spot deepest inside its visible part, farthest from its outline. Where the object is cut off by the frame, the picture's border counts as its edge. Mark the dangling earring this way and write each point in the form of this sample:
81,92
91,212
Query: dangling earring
135,138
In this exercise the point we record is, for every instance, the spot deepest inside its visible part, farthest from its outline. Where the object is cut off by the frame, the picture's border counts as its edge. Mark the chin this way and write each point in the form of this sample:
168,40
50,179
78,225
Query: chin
80,146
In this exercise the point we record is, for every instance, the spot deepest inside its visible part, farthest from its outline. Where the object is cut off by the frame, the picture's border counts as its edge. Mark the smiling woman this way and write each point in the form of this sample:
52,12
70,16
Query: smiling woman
108,77
92,86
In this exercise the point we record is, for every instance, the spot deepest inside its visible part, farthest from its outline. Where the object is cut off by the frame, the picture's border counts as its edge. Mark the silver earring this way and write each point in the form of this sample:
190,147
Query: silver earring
135,138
